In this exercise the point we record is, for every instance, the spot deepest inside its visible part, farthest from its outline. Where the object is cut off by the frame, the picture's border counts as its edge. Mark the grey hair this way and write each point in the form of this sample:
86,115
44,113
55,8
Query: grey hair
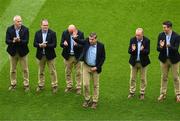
15,17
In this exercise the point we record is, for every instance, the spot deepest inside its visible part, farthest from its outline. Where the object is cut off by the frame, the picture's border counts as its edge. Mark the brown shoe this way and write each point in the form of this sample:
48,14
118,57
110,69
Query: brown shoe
68,89
26,88
161,97
86,103
39,88
131,95
141,96
12,88
178,98
94,105
78,91
54,89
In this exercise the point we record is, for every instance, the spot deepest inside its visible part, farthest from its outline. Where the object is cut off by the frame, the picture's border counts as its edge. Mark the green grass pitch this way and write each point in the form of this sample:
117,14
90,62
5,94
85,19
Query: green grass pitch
115,22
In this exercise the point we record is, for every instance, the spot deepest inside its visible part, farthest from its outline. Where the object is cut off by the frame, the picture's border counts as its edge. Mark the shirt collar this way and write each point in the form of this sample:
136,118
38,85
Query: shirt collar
44,32
169,34
139,40
94,45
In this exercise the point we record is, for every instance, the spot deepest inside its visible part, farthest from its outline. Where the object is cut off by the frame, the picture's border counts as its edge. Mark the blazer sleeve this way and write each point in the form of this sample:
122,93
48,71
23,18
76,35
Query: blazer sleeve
8,37
103,57
54,41
36,43
176,46
146,50
158,44
25,39
81,40
130,48
63,38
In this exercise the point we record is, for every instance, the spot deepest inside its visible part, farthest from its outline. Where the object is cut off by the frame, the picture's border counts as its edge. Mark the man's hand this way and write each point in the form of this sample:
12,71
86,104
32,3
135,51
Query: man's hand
162,43
75,34
93,69
65,43
16,39
142,47
133,47
168,45
75,43
43,45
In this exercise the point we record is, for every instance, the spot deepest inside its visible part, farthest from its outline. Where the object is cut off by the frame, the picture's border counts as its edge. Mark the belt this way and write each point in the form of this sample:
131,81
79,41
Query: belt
138,61
89,65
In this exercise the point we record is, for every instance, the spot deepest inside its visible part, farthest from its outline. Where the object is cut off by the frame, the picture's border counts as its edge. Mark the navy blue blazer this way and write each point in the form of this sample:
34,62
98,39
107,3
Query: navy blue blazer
66,49
51,44
144,54
21,47
173,49
100,55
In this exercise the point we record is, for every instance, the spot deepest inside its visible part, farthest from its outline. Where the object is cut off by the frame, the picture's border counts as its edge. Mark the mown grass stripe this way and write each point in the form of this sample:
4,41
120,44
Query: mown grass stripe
28,9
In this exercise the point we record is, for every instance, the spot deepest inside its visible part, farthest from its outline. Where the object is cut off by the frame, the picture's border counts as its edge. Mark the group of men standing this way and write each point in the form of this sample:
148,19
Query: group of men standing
85,56
167,46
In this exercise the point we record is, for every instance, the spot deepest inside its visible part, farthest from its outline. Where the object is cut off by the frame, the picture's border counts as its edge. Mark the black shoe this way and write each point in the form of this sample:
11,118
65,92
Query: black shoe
54,89
141,96
131,95
86,103
12,88
178,98
78,91
94,105
161,97
39,88
68,89
26,88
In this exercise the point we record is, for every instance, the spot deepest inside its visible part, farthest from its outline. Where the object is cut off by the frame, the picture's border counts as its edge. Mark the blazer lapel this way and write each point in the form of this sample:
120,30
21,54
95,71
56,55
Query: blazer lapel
47,36
97,50
41,38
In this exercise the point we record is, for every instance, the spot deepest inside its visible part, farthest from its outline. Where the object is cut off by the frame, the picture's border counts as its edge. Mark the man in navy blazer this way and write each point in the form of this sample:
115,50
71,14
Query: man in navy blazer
139,49
45,41
17,38
93,56
71,53
167,46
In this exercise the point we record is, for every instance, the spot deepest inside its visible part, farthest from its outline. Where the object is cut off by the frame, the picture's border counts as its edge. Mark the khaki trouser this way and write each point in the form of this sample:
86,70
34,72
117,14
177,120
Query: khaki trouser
24,64
87,75
164,76
52,69
134,71
72,61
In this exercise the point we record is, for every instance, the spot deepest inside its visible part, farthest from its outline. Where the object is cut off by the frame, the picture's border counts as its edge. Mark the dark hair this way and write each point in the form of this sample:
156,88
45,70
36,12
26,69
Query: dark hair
167,23
93,34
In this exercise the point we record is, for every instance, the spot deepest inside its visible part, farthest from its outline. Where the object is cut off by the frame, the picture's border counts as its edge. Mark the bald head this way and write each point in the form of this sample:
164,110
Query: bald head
71,28
17,21
139,33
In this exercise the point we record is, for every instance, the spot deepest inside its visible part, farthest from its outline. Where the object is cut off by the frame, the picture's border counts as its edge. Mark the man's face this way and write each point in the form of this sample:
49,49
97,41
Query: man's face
71,30
166,29
92,40
44,26
139,35
18,22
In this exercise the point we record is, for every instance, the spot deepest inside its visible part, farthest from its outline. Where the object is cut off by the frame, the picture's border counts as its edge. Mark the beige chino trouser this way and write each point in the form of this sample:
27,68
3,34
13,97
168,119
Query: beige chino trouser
71,63
164,76
13,66
87,76
52,70
133,75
